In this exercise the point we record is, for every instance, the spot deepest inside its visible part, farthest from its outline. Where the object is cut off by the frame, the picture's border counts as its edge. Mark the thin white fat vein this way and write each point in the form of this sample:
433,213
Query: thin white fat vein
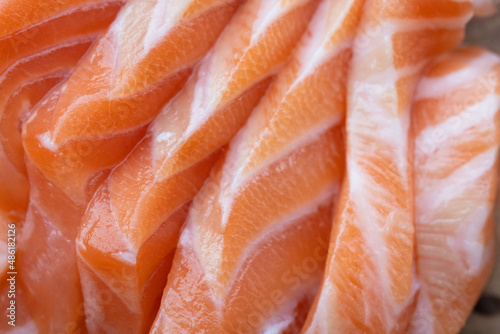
207,95
430,87
286,314
166,15
73,42
104,279
274,228
430,200
205,98
454,127
323,316
366,220
468,239
270,12
129,257
311,54
391,127
201,106
393,131
238,160
65,13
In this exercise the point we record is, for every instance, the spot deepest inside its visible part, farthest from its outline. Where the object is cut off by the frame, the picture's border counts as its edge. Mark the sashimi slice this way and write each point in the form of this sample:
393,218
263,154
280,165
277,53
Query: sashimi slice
37,52
369,284
131,227
22,86
251,256
28,27
97,116
89,123
456,123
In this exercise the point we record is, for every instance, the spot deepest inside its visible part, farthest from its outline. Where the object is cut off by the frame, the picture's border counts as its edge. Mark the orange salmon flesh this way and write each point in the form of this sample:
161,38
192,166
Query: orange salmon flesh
245,166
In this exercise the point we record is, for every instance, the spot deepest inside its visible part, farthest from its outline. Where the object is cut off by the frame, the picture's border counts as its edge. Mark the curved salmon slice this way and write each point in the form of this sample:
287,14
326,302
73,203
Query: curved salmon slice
369,284
251,256
37,52
89,123
96,116
23,85
456,122
29,27
132,225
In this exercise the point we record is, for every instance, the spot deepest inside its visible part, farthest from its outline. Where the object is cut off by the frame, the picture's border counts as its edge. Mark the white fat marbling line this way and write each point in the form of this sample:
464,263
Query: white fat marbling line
368,115
286,314
212,80
208,93
270,12
454,127
123,257
367,219
240,154
436,87
430,200
211,262
372,116
166,15
423,320
314,51
323,316
468,239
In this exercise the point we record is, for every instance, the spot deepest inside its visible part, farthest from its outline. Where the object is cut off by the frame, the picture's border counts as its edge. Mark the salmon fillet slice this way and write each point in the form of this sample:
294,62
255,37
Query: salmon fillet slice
88,124
37,51
251,256
369,284
29,27
22,87
456,122
131,227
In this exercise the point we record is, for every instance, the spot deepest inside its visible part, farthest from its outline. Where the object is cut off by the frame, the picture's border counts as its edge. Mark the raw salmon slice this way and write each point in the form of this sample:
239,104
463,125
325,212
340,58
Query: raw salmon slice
456,122
132,225
369,284
89,123
22,87
29,27
97,116
37,52
251,256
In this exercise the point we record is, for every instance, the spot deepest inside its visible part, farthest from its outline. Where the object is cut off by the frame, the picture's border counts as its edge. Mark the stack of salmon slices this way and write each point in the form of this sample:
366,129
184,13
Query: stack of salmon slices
245,166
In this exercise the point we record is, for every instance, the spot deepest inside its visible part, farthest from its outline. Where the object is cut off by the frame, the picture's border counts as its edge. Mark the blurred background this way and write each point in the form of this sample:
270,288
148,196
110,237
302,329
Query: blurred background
486,318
